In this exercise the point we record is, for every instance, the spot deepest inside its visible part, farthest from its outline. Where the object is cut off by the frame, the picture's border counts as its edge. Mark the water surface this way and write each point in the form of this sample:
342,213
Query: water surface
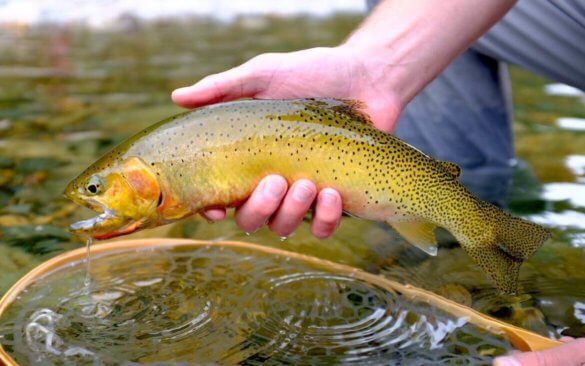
68,94
228,305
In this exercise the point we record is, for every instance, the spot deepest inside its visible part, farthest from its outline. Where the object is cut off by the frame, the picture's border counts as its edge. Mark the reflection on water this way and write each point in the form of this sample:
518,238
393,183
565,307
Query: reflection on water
572,192
577,165
563,90
230,305
565,219
67,94
108,13
571,123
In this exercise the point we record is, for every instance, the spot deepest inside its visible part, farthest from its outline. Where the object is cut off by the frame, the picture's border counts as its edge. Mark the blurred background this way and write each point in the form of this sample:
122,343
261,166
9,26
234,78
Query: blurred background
107,13
78,77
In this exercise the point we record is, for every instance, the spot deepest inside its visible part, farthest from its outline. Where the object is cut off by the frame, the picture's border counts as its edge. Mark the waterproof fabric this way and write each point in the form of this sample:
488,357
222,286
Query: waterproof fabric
464,115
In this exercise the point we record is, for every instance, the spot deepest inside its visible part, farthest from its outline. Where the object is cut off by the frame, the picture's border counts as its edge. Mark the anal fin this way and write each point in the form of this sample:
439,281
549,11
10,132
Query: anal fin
418,233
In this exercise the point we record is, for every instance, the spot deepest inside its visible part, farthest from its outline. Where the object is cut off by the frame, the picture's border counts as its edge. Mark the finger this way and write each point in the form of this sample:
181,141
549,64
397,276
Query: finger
327,213
262,204
296,203
568,354
214,214
239,82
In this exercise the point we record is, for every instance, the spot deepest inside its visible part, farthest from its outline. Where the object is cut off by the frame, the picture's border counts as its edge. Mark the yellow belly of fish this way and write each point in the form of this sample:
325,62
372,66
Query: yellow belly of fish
224,179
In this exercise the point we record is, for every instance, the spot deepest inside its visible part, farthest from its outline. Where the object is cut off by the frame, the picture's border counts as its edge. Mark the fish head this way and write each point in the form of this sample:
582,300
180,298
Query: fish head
125,195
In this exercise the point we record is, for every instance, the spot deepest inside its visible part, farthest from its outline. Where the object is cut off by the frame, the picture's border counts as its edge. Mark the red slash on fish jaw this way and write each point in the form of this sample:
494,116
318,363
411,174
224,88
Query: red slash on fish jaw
128,229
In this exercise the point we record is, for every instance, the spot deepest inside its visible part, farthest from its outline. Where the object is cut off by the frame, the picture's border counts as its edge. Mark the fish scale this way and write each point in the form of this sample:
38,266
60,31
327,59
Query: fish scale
215,156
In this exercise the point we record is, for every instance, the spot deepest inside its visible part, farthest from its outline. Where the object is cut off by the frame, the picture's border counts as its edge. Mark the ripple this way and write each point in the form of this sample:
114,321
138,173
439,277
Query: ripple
215,304
333,312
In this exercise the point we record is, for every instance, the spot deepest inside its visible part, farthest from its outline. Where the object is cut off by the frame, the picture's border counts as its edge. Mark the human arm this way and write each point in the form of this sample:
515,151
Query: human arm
393,55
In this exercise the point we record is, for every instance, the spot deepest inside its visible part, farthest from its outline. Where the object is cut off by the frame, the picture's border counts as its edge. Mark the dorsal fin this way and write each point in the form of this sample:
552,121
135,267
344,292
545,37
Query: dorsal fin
353,108
451,168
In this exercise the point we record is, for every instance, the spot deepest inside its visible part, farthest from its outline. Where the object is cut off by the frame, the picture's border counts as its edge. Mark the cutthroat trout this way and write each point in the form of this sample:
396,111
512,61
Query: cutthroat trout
215,156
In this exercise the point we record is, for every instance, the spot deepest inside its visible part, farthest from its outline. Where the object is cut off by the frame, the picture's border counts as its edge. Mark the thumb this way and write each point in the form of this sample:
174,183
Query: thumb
239,82
570,354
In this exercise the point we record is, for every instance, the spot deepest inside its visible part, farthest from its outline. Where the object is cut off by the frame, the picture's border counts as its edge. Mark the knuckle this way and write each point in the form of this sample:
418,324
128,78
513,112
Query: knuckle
261,59
207,79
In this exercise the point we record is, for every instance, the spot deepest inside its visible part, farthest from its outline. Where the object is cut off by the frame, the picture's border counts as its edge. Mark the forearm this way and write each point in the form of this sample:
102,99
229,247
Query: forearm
409,42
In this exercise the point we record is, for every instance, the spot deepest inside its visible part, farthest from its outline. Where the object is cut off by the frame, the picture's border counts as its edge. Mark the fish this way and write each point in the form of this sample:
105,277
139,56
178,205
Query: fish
214,156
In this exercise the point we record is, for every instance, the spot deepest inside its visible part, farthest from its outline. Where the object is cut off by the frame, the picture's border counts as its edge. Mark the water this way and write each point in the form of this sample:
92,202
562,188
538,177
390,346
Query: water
68,94
98,13
87,278
230,305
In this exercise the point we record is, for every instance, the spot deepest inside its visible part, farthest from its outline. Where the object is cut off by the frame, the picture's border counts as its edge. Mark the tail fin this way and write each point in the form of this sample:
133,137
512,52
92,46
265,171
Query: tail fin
502,268
501,256
519,238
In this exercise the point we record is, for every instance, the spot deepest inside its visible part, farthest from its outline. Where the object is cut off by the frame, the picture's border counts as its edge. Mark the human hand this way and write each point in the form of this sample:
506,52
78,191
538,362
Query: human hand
341,72
570,354
382,66
345,72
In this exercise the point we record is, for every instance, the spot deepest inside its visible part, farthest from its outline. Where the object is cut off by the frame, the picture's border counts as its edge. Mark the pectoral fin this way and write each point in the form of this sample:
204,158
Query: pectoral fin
418,233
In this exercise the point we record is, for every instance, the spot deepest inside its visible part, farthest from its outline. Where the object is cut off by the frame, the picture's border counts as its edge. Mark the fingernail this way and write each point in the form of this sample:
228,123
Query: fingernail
272,189
302,193
328,199
506,361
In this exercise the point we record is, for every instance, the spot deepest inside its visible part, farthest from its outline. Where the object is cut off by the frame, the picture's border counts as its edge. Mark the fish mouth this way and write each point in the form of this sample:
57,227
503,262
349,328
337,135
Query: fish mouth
92,223
105,225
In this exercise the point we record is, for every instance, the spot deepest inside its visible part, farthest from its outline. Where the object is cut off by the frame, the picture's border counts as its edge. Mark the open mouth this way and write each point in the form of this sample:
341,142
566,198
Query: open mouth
93,223
105,225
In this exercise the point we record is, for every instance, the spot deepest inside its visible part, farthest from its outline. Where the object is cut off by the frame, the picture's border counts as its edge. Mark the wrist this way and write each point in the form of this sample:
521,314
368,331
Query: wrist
383,72
413,41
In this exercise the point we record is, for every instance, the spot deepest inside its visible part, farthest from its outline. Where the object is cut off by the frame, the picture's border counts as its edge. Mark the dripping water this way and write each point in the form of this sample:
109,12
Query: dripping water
87,279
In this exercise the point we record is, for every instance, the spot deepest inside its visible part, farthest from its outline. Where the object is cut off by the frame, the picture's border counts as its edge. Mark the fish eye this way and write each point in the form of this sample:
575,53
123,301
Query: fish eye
94,185
92,188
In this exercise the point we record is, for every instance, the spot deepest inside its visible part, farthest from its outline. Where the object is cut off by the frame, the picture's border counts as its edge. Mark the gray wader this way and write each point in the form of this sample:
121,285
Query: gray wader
464,115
